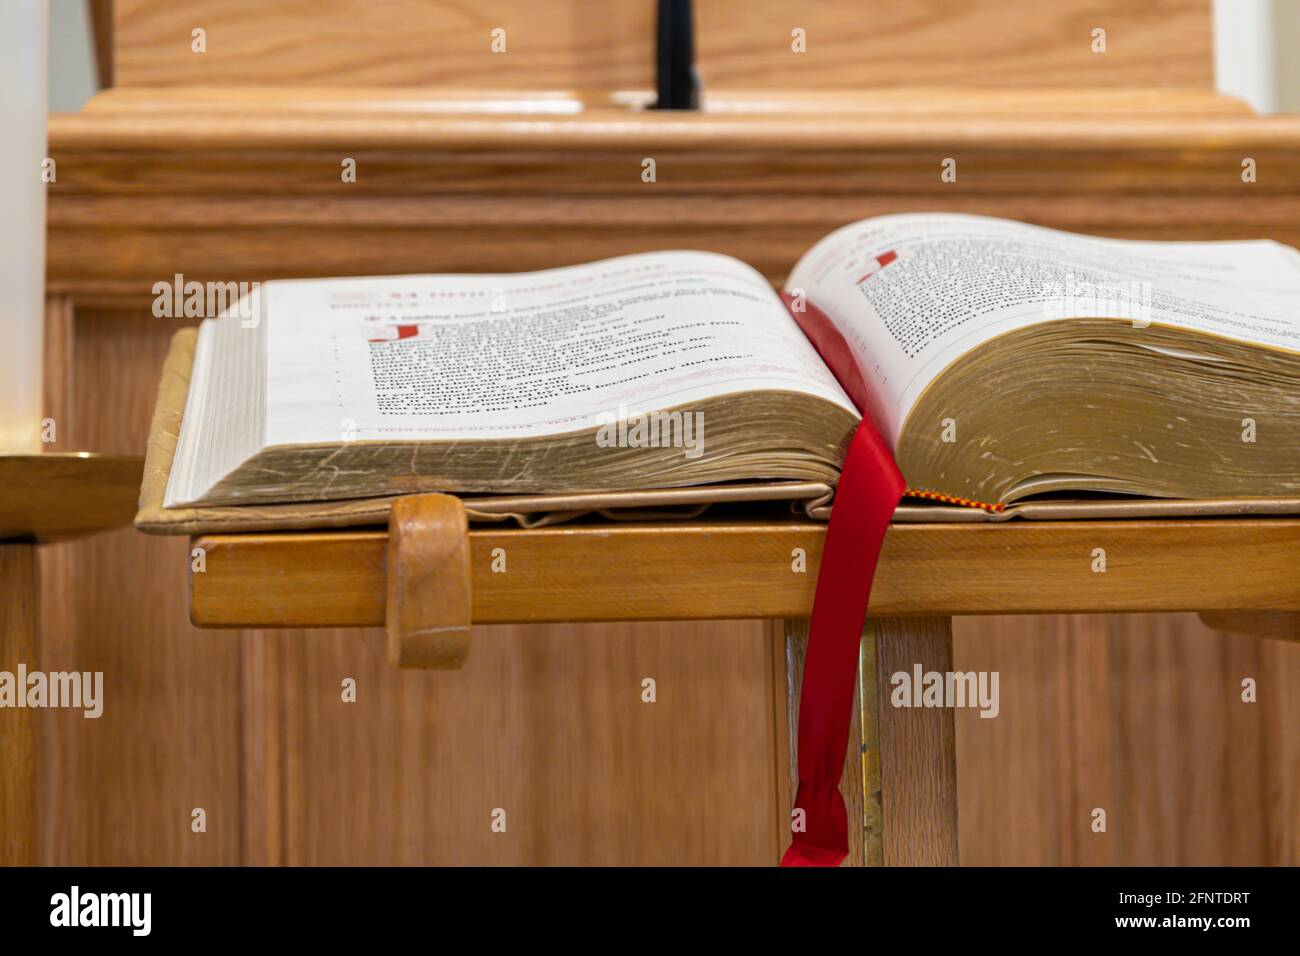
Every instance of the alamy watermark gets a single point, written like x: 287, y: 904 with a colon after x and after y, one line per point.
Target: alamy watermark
x: 621, y: 429
x: 133, y: 911
x: 72, y: 690
x: 919, y: 688
x: 179, y: 299
x: 1110, y: 300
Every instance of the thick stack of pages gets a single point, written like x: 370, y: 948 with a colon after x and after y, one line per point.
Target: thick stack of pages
x: 1003, y: 363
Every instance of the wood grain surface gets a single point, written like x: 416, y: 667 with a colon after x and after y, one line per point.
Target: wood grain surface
x: 548, y: 724
x: 900, y: 773
x: 1137, y: 714
x: 65, y: 494
x: 122, y: 789
x: 918, y: 749
x: 598, y: 45
x: 427, y: 606
x: 153, y: 180
x: 19, y: 749
x: 359, y: 102
x: 700, y: 569
x: 245, y: 186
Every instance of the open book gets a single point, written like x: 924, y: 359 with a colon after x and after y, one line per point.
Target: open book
x: 1000, y: 360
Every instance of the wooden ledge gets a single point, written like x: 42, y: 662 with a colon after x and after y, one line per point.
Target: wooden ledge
x: 702, y: 570
x: 946, y: 102
x: 47, y: 497
x: 247, y: 185
x: 794, y: 123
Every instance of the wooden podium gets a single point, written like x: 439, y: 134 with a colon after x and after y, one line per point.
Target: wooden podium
x: 225, y: 166
x: 900, y: 783
x: 442, y: 190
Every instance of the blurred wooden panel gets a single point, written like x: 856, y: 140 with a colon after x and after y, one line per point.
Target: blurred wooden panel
x: 590, y: 44
x: 120, y: 789
x: 60, y: 325
x: 918, y: 785
x: 20, y: 757
x: 253, y: 193
x: 545, y: 723
x: 1140, y: 715
x: 116, y: 254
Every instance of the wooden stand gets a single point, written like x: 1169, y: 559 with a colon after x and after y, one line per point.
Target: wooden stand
x: 463, y: 178
x: 42, y: 498
x: 901, y: 784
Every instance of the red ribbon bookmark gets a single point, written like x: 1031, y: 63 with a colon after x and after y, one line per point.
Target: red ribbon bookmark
x: 869, y: 490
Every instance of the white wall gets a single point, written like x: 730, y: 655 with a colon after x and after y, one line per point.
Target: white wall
x: 1257, y: 52
x: 73, y: 74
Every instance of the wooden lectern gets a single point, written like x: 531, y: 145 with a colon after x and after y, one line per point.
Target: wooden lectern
x: 901, y: 784
x: 225, y: 166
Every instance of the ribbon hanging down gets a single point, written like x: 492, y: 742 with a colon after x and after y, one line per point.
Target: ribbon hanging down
x: 869, y: 489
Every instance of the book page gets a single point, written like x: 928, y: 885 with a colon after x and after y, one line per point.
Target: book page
x: 911, y: 293
x: 451, y: 357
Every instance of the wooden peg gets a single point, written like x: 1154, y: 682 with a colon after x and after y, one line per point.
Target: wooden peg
x: 1277, y: 625
x: 428, y: 614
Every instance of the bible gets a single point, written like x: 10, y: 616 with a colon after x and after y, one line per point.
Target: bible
x: 1001, y: 361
